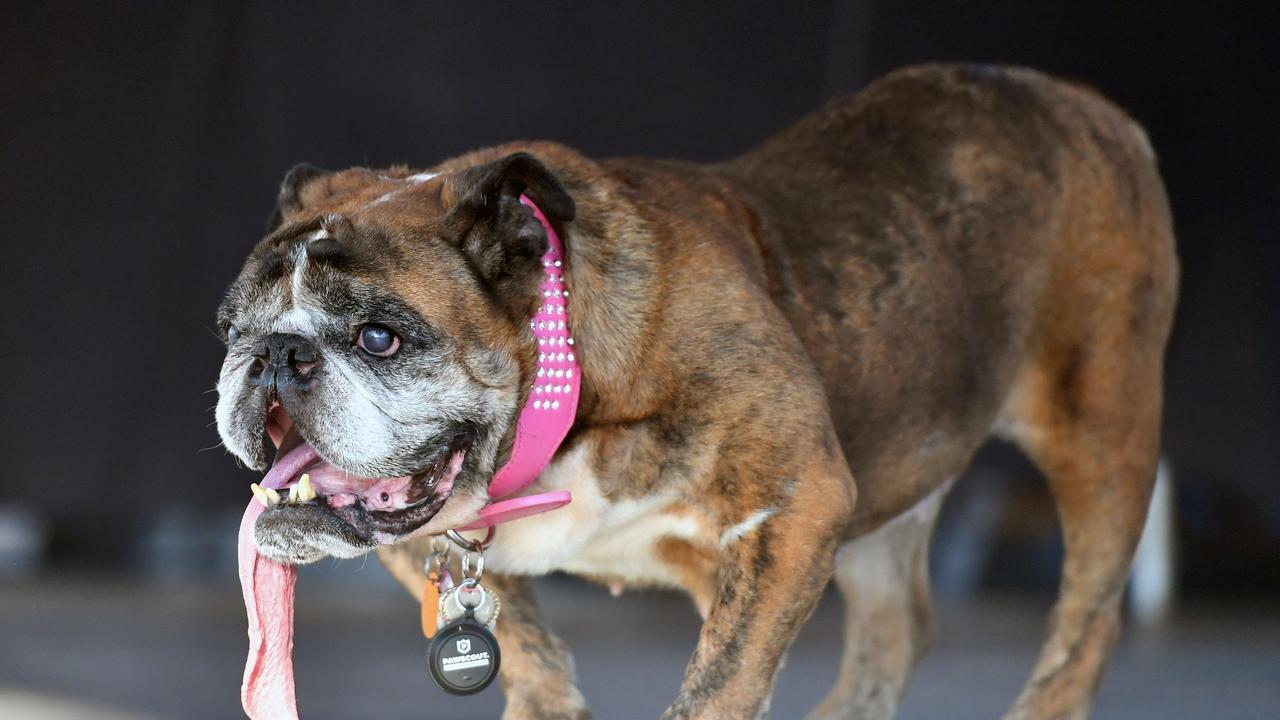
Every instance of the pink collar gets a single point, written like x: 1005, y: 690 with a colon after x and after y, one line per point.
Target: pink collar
x: 549, y: 411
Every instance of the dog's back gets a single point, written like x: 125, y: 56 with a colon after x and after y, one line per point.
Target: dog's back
x: 931, y: 234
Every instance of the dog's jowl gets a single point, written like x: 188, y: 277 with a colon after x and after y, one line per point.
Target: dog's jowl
x: 782, y: 361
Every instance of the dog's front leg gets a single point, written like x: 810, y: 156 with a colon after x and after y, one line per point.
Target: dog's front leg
x: 774, y: 563
x: 537, y: 671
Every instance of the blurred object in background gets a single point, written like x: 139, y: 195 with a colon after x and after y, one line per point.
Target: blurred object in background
x: 997, y: 529
x: 183, y: 544
x: 1153, y: 583
x: 24, y: 535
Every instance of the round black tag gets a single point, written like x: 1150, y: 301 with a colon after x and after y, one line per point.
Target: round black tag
x: 463, y: 657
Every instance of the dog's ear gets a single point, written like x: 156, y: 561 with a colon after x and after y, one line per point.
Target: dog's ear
x: 502, y: 237
x: 289, y: 199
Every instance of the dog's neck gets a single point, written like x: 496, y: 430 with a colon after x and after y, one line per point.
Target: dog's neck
x: 552, y: 402
x: 613, y: 302
x: 616, y: 311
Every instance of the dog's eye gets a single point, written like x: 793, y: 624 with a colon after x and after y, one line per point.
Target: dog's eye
x: 233, y: 333
x: 378, y: 340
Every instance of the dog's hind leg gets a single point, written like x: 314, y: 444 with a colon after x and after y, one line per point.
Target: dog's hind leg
x: 1088, y: 414
x: 883, y: 577
x: 537, y: 673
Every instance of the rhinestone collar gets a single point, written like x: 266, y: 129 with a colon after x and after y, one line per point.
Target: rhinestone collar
x: 552, y: 404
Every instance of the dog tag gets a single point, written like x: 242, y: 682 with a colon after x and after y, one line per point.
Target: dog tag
x: 464, y: 656
x: 437, y: 581
x: 482, y: 604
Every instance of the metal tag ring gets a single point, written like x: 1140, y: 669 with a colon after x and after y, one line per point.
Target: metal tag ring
x: 466, y: 565
x: 438, y: 558
x: 474, y: 545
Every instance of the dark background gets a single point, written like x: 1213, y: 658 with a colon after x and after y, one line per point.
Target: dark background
x: 141, y: 145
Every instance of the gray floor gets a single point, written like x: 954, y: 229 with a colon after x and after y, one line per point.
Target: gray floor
x: 173, y: 650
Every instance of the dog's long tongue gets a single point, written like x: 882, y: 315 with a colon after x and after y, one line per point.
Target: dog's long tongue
x: 267, y: 692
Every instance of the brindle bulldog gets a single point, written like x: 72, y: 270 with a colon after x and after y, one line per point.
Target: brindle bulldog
x: 786, y: 358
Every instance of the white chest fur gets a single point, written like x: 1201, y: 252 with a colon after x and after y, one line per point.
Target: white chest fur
x: 593, y: 535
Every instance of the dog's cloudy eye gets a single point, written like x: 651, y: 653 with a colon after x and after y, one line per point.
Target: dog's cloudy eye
x: 233, y: 333
x: 378, y: 340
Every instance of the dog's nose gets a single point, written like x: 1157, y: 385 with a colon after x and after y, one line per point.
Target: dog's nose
x: 283, y: 359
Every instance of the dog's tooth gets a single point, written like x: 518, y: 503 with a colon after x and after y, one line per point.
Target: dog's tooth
x: 260, y: 493
x: 273, y: 496
x: 306, y: 491
x: 293, y: 494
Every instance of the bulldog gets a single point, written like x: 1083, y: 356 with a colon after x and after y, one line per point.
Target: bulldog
x: 785, y: 359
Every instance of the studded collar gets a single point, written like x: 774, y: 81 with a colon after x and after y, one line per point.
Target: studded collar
x: 552, y: 405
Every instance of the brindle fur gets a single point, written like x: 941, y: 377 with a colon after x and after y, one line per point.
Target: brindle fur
x: 826, y: 329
